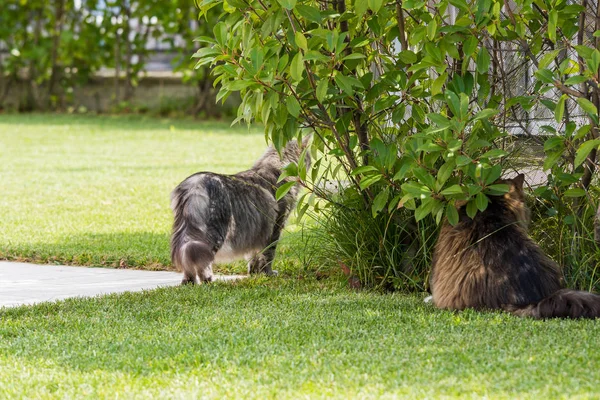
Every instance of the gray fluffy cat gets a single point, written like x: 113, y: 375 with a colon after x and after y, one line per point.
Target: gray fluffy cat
x: 221, y: 218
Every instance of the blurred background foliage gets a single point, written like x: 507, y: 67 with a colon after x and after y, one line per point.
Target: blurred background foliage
x: 50, y: 50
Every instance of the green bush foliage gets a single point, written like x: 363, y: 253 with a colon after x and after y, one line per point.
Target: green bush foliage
x: 413, y: 100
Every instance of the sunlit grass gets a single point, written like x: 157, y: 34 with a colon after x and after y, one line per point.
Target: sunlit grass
x: 95, y: 191
x: 287, y: 338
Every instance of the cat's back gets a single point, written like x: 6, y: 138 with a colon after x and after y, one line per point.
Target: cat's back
x: 487, y: 262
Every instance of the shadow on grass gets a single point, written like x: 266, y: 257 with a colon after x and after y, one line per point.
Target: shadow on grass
x: 145, y: 250
x: 142, y: 250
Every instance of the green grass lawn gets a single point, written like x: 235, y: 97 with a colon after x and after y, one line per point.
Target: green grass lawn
x: 286, y: 338
x: 94, y: 190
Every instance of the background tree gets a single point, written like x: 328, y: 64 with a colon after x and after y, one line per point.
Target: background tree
x: 56, y: 47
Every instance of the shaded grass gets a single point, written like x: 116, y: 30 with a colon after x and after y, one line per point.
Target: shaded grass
x: 91, y: 190
x: 284, y: 338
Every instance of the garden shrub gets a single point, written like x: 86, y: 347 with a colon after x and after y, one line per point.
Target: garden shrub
x: 411, y: 102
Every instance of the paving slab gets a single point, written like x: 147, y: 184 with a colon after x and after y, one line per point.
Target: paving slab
x: 22, y: 283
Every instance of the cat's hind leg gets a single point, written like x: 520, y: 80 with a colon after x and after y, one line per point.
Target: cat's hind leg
x: 197, y: 260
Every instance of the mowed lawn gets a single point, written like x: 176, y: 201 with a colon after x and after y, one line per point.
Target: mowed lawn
x: 94, y: 191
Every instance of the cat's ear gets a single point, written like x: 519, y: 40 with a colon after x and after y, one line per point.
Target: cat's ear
x: 518, y: 181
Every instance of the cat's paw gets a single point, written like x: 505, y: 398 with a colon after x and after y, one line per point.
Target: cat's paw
x: 428, y: 299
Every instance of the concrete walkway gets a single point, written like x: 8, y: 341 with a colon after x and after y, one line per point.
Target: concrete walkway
x: 22, y: 283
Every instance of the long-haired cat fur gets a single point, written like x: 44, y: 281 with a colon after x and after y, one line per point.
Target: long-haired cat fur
x: 490, y: 262
x: 221, y: 218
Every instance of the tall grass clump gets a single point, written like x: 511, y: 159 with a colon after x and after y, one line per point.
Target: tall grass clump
x: 388, y: 251
x: 565, y: 230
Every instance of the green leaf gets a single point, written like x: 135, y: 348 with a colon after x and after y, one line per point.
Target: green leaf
x: 494, y: 153
x: 206, y: 52
x: 424, y: 209
x: 256, y: 55
x: 416, y: 190
x: 370, y: 180
x: 452, y: 191
x: 584, y: 150
x: 405, y: 165
x: 287, y: 4
x: 481, y: 201
x: 471, y: 209
x: 575, y: 80
x: 360, y: 7
x: 220, y: 31
x: 473, y: 189
x: 464, y: 106
x: 547, y: 58
x: 394, y: 203
x: 379, y: 202
x: 575, y: 192
x: 297, y: 67
x: 485, y: 114
x: 453, y: 102
x: 283, y: 190
x: 498, y: 189
x: 551, y: 159
x: 322, y: 87
x: 301, y: 41
x: 363, y: 169
x: 238, y: 85
x: 552, y: 21
x: 313, y: 55
x: 424, y: 177
x: 375, y: 5
x: 345, y: 83
x: 289, y: 170
x: 451, y: 214
x: 293, y: 106
x: 463, y: 160
x: 310, y: 13
x: 283, y: 62
x: 587, y: 106
x: 594, y: 61
x: 445, y: 172
x: 460, y: 4
x: 439, y: 120
x: 582, y: 132
x: 483, y: 61
x: 553, y: 142
x: 493, y: 174
x: 559, y: 111
x: 236, y: 4
x: 438, y: 84
x: 584, y: 51
x: 353, y: 56
x: 407, y: 57
x: 431, y: 29
x: 544, y: 75
x: 470, y: 45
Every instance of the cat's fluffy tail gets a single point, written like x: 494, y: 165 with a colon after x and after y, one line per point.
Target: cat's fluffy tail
x: 565, y: 303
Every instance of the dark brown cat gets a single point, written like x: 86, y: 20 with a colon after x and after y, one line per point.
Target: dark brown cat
x: 490, y: 262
